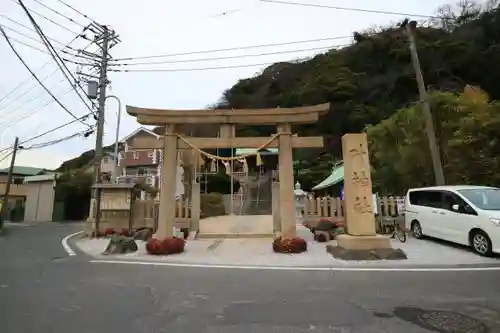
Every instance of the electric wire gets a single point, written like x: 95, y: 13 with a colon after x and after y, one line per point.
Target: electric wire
x: 30, y: 29
x: 35, y: 76
x: 199, y: 69
x: 27, y: 91
x: 28, y: 114
x: 58, y: 60
x: 79, y: 63
x: 30, y: 77
x: 56, y: 141
x: 351, y: 9
x: 80, y: 119
x: 46, y: 18
x: 77, y: 11
x: 26, y: 44
x: 232, y: 57
x: 44, y: 51
x: 6, y: 156
x: 233, y: 48
x: 21, y: 33
x: 58, y: 13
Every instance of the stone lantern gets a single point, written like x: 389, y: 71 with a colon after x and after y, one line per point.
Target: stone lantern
x: 300, y: 201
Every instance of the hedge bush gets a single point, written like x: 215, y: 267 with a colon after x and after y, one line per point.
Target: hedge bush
x: 292, y: 245
x: 211, y: 204
x: 166, y: 246
x: 220, y: 183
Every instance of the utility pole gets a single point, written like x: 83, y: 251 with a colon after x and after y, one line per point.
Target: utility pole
x: 9, y: 181
x: 103, y: 41
x: 424, y: 99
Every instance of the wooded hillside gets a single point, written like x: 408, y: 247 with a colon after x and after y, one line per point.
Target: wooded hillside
x: 373, y: 80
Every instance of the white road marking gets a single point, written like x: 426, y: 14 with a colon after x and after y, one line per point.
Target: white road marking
x: 288, y: 268
x: 65, y: 245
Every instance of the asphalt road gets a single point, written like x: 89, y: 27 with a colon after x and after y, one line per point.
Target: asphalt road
x: 44, y: 290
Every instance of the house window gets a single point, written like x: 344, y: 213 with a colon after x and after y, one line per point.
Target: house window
x: 141, y: 172
x: 135, y: 155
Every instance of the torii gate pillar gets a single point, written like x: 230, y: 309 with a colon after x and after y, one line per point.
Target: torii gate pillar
x: 166, y: 214
x: 287, y: 198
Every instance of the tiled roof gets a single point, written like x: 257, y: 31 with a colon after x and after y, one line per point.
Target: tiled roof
x: 335, y: 177
x: 24, y: 171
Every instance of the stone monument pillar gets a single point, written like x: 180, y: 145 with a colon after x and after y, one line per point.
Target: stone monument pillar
x: 358, y: 206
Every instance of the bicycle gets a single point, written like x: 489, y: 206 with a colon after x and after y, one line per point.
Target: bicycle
x: 396, y: 231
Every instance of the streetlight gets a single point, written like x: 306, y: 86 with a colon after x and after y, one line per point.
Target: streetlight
x: 92, y: 92
x: 115, y: 173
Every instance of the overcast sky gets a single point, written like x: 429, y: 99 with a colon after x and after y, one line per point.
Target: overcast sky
x: 156, y: 27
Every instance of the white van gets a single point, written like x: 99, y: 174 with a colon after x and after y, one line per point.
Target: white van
x: 468, y: 215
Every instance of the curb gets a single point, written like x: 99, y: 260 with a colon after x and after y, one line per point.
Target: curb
x: 65, y: 245
x: 351, y: 268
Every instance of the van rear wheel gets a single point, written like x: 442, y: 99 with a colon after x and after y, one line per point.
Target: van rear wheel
x: 416, y: 230
x: 481, y: 243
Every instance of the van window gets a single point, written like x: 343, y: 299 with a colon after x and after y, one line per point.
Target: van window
x: 450, y: 199
x: 426, y: 198
x: 483, y: 198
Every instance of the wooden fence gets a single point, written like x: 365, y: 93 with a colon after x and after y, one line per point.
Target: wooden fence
x: 386, y: 210
x: 144, y: 213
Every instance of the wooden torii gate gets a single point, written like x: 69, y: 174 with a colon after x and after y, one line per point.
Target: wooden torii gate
x: 283, y: 140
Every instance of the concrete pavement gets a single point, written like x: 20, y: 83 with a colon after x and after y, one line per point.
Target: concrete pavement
x: 42, y: 289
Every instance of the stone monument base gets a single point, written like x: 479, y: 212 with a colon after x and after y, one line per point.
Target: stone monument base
x: 376, y: 247
x: 350, y: 242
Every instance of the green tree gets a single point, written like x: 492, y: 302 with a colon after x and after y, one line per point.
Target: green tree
x: 465, y: 129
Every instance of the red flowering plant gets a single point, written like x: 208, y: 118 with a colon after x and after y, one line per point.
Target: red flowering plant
x: 166, y: 246
x: 125, y: 232
x: 289, y: 245
x: 109, y: 232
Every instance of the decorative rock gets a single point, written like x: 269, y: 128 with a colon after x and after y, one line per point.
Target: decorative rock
x: 326, y: 230
x: 143, y: 234
x: 372, y: 254
x: 121, y: 245
x: 323, y: 236
x: 325, y: 225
